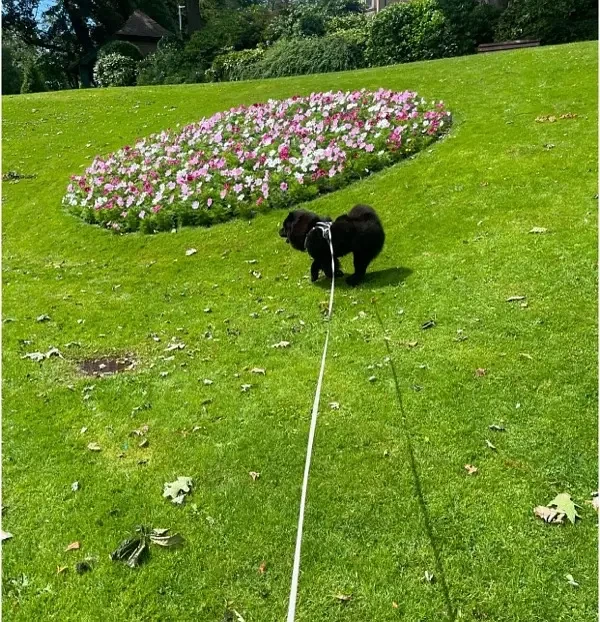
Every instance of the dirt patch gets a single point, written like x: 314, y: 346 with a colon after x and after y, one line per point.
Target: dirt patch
x: 106, y: 366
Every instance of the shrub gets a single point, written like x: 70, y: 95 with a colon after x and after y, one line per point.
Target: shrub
x: 115, y: 70
x: 232, y: 65
x: 551, y: 21
x: 12, y: 76
x: 293, y: 57
x: 409, y: 31
x: 249, y: 159
x: 468, y: 23
x: 168, y: 65
x: 33, y: 81
x: 124, y: 48
x: 350, y: 21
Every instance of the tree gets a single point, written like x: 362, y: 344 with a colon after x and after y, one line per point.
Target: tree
x: 75, y: 29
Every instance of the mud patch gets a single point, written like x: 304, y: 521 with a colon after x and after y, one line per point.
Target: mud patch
x: 106, y: 366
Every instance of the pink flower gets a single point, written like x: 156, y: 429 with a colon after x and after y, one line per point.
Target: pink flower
x: 209, y: 201
x: 283, y: 186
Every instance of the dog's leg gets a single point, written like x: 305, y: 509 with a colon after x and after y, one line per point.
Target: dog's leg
x: 314, y: 270
x: 361, y: 264
x: 338, y: 270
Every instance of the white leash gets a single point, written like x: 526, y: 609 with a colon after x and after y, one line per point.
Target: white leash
x: 326, y: 228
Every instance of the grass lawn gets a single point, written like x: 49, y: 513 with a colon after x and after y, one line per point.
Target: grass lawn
x: 457, y: 219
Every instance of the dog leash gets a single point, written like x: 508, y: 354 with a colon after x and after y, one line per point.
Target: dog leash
x: 326, y: 228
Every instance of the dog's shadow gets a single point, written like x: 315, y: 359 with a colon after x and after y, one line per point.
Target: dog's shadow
x: 379, y: 278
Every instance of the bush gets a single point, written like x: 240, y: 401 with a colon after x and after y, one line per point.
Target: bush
x: 33, y: 82
x: 407, y: 32
x: 168, y: 65
x: 294, y: 57
x: 350, y: 21
x: 12, y: 76
x: 232, y: 66
x: 551, y: 21
x: 468, y: 23
x: 124, y: 48
x: 115, y: 70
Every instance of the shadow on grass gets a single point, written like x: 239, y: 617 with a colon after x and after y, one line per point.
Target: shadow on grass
x: 379, y: 278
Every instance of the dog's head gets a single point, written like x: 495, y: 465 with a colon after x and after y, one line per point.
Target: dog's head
x: 296, y: 227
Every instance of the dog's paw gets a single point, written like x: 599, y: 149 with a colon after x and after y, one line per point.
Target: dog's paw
x: 353, y: 280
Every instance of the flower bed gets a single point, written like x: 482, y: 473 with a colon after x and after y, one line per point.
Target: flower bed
x: 254, y: 158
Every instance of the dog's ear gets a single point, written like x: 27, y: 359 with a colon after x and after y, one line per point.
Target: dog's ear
x: 302, y: 223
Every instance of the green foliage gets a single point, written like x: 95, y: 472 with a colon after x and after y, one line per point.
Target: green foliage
x: 33, y: 81
x: 12, y: 76
x: 292, y: 57
x: 551, y: 21
x: 468, y: 23
x: 349, y: 21
x: 409, y: 31
x: 307, y: 18
x: 226, y: 30
x: 232, y: 65
x: 168, y: 65
x: 124, y: 48
x: 115, y: 70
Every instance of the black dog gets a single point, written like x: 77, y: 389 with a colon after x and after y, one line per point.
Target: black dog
x: 359, y: 232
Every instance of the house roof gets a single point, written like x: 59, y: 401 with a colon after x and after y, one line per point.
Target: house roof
x: 140, y: 25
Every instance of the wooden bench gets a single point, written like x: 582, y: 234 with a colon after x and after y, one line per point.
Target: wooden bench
x: 507, y: 45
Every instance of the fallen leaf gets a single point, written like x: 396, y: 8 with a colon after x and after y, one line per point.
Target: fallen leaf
x: 428, y: 324
x: 334, y: 405
x: 255, y: 274
x: 74, y: 546
x: 208, y: 382
x: 281, y: 344
x: 549, y: 515
x: 42, y: 318
x: 175, y: 346
x: 515, y: 298
x: 254, y: 475
x: 246, y: 388
x: 471, y: 470
x: 190, y: 251
x: 394, y: 604
x: 94, y: 447
x: 497, y: 428
x: 83, y: 567
x: 538, y: 230
x: 144, y: 443
x: 131, y: 551
x: 61, y: 569
x: 5, y: 535
x: 262, y: 568
x: 480, y: 372
x: 177, y: 490
x: 258, y: 370
x: 429, y: 577
x: 492, y: 447
x: 35, y: 356
x: 343, y: 598
x: 563, y: 503
x: 571, y: 580
x: 75, y: 486
x: 569, y: 115
x: 162, y: 538
x: 596, y: 503
x: 372, y: 378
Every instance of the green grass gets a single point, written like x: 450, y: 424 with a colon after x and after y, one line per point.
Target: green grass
x: 457, y: 219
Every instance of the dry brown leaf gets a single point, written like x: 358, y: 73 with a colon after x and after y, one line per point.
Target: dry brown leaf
x: 395, y: 604
x: 74, y: 546
x: 343, y: 598
x: 549, y: 515
x: 94, y: 447
x: 480, y: 372
x: 471, y: 470
x: 262, y: 568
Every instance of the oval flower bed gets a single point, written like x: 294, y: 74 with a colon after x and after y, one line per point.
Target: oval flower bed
x: 254, y: 158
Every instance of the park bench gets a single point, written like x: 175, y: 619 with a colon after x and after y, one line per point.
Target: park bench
x: 507, y: 45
